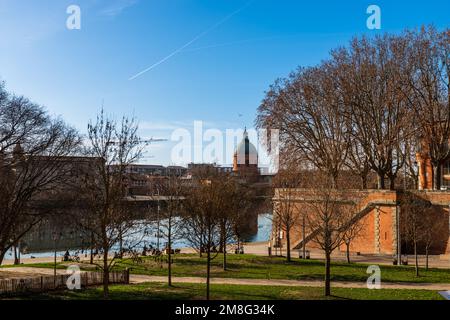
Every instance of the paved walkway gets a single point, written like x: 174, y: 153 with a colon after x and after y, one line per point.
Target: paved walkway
x: 21, y: 272
x: 290, y: 283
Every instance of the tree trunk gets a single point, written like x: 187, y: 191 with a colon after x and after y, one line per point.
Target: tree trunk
x: 381, y: 183
x: 327, y: 273
x: 436, y: 176
x: 16, y: 258
x: 364, y: 181
x: 288, y: 245
x: 391, y: 183
x: 169, y: 266
x: 105, y: 273
x: 347, y: 244
x: 416, y: 258
x: 120, y: 245
x: 208, y: 270
x: 224, y: 255
x: 426, y: 258
x: 2, y: 256
x: 91, y: 261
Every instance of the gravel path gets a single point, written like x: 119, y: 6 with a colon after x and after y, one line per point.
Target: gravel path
x: 291, y: 283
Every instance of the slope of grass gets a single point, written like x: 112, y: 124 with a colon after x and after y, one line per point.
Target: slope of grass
x: 261, y: 267
x: 159, y: 291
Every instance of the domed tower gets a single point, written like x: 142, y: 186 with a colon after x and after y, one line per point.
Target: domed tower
x: 245, y: 160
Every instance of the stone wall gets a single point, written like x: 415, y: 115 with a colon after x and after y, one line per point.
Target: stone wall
x: 378, y: 217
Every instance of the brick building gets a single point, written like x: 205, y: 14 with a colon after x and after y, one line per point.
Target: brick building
x: 380, y: 213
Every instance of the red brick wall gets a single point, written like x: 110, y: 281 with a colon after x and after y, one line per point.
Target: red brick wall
x: 379, y: 227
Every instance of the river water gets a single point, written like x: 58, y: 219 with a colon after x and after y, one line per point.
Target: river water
x: 262, y: 235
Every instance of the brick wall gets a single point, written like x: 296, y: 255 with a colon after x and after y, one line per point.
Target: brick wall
x: 379, y: 229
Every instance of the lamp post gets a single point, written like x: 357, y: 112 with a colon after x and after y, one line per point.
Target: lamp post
x: 303, y: 235
x: 399, y: 241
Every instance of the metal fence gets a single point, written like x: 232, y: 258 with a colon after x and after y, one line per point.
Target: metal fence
x: 11, y: 287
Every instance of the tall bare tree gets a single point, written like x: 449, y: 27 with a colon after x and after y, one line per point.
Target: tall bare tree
x: 412, y: 222
x: 203, y: 208
x: 33, y: 151
x: 428, y: 97
x: 329, y: 215
x: 286, y: 213
x: 353, y: 230
x: 432, y: 227
x: 376, y: 111
x: 115, y: 146
x: 309, y: 114
x: 172, y: 190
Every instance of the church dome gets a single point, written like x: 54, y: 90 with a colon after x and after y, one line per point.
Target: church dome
x: 246, y: 153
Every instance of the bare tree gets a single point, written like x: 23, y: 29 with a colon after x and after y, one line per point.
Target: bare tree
x: 414, y: 209
x: 115, y: 146
x: 34, y: 150
x: 411, y: 172
x: 376, y: 111
x: 328, y: 219
x: 354, y: 229
x: 286, y: 213
x: 172, y: 190
x: 432, y: 227
x: 428, y: 96
x: 309, y: 114
x: 358, y: 162
x: 203, y: 206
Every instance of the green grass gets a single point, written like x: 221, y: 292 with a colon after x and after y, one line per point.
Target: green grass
x: 260, y: 267
x: 159, y: 291
x: 49, y: 265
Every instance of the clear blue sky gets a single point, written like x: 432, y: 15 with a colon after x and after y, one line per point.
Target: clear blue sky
x: 222, y: 74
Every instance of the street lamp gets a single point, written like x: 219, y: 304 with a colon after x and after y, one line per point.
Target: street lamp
x: 399, y: 240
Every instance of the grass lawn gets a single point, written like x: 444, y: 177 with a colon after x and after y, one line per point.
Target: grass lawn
x: 260, y: 267
x: 159, y: 291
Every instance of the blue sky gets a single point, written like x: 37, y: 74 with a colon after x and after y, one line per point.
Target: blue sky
x: 219, y: 78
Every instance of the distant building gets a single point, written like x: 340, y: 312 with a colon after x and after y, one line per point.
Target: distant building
x: 245, y: 164
x: 157, y: 170
x: 245, y: 159
x: 142, y: 178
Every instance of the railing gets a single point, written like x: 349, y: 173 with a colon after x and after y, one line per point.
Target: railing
x: 11, y: 287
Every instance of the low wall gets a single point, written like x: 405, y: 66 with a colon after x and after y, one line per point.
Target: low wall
x: 13, y: 287
x: 379, y: 221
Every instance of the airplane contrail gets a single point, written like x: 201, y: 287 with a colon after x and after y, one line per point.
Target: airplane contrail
x: 231, y: 43
x: 191, y: 41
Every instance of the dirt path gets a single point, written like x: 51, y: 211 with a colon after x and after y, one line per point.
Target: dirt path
x: 291, y: 283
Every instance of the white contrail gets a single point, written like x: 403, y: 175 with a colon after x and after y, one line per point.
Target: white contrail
x: 191, y: 41
x: 232, y: 43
